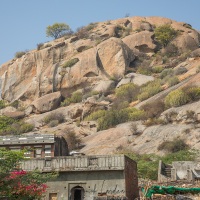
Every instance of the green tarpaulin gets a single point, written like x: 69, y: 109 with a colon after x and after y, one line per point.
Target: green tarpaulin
x: 169, y: 190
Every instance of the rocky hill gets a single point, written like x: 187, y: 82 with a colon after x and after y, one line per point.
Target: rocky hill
x: 131, y: 83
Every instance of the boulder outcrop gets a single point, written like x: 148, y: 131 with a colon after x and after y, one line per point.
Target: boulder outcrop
x: 47, y: 103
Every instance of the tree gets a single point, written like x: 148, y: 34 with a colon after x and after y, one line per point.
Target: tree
x: 16, y: 184
x: 165, y: 34
x: 57, y: 30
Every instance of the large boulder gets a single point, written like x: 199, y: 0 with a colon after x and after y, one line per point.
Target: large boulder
x: 113, y: 57
x: 104, y: 86
x: 186, y: 43
x: 7, y: 109
x: 47, y: 102
x: 143, y: 41
x: 15, y: 115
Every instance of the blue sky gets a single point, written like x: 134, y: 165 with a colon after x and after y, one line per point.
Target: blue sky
x: 23, y: 22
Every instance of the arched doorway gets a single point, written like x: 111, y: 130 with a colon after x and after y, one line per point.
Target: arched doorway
x: 77, y: 193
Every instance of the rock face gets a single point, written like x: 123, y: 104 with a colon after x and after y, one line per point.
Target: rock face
x: 108, y: 55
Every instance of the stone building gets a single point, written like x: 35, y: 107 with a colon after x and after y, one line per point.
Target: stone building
x: 88, y: 177
x: 188, y: 171
x: 36, y: 145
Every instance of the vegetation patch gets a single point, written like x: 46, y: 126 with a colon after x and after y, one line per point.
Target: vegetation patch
x: 173, y: 146
x: 149, y: 90
x: 19, y: 54
x: 148, y: 163
x: 75, y: 98
x: 165, y: 34
x: 70, y: 63
x: 59, y: 117
x: 176, y: 98
x: 127, y: 92
x: 111, y: 118
x: 12, y: 126
x: 2, y: 104
x: 172, y: 81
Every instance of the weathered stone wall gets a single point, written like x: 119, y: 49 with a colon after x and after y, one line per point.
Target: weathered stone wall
x: 93, y: 182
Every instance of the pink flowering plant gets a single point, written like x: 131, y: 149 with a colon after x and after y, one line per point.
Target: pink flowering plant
x: 16, y: 184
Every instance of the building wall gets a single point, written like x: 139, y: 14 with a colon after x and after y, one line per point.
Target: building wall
x: 93, y: 183
x: 131, y: 179
x: 99, y: 176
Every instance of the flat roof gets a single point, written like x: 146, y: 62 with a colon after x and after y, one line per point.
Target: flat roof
x: 26, y: 139
x: 76, y: 163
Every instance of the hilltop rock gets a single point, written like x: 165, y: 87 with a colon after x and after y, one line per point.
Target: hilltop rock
x: 143, y: 41
x: 106, y: 55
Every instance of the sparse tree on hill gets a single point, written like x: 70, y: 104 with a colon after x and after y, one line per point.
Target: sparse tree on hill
x: 57, y: 30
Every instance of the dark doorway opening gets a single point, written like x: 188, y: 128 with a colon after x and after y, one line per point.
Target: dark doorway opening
x: 77, y: 193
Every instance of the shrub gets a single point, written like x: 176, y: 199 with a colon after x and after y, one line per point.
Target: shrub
x: 26, y: 127
x: 166, y: 72
x: 119, y: 104
x: 15, y: 104
x: 173, y: 146
x: 165, y: 34
x: 75, y: 98
x: 119, y: 31
x: 153, y: 109
x: 15, y: 127
x: 19, y: 54
x: 127, y: 92
x: 180, y: 70
x: 170, y: 116
x: 90, y: 26
x: 192, y: 92
x: 96, y: 115
x: 176, y: 98
x: 82, y: 32
x: 190, y: 114
x: 134, y: 128
x: 54, y: 116
x: 134, y: 114
x: 171, y: 50
x: 110, y: 118
x: 53, y: 123
x: 153, y: 121
x: 157, y: 69
x: 5, y: 122
x: 144, y: 68
x: 2, y: 104
x: 149, y: 90
x: 147, y: 164
x: 70, y: 63
x: 172, y: 81
x: 40, y: 46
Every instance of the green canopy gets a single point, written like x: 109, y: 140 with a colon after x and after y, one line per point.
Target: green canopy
x: 169, y: 190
